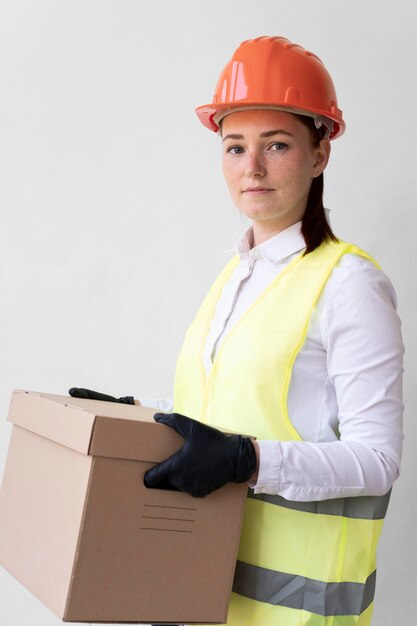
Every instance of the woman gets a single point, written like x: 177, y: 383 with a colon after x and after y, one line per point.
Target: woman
x: 298, y: 343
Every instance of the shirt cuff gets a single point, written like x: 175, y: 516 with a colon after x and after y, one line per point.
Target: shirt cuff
x: 166, y: 405
x: 269, y: 467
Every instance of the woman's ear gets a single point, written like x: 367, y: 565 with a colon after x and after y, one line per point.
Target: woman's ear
x: 322, y: 157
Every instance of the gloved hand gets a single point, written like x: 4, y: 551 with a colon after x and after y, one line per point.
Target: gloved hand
x: 207, y: 460
x: 79, y: 392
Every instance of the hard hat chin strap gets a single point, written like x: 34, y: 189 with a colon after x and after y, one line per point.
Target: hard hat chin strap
x: 320, y: 121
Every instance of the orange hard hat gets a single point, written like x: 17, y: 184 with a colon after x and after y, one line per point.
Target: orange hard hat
x: 273, y: 72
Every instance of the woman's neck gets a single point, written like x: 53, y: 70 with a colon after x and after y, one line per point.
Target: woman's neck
x: 262, y: 231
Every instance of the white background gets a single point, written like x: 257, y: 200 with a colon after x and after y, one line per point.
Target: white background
x: 114, y: 214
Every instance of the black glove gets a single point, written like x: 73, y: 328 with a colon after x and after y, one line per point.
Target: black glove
x: 207, y: 460
x: 79, y: 392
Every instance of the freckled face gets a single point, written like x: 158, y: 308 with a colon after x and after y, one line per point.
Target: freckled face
x: 269, y: 162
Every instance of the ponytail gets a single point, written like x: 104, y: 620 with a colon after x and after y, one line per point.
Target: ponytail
x: 315, y: 228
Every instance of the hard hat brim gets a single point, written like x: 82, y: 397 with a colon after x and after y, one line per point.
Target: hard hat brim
x: 207, y: 113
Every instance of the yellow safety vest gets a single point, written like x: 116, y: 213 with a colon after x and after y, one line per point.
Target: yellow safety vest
x: 299, y: 563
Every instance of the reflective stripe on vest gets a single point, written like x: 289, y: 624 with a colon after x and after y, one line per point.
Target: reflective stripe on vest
x: 321, y: 550
x: 302, y: 593
x: 363, y: 507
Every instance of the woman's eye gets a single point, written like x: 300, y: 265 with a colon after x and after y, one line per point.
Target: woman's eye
x: 235, y: 150
x: 278, y: 145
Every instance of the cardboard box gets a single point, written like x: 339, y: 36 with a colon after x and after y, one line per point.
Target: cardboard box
x: 80, y: 530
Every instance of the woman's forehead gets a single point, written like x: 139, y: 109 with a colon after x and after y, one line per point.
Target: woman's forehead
x: 259, y: 120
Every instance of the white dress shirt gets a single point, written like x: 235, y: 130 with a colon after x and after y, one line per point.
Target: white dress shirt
x: 345, y: 395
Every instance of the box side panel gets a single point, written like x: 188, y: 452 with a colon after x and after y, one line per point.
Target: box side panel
x: 41, y: 506
x: 149, y: 555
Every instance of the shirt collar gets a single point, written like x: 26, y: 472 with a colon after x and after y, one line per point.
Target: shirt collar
x: 272, y: 250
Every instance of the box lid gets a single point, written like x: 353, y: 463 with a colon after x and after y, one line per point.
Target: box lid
x: 94, y: 427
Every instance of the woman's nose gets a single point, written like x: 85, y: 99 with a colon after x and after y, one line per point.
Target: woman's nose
x: 254, y: 165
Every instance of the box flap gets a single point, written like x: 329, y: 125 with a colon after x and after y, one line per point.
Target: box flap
x: 132, y: 439
x: 94, y: 427
x: 66, y: 424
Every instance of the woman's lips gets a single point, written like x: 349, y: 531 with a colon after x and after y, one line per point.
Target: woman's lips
x: 257, y: 190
